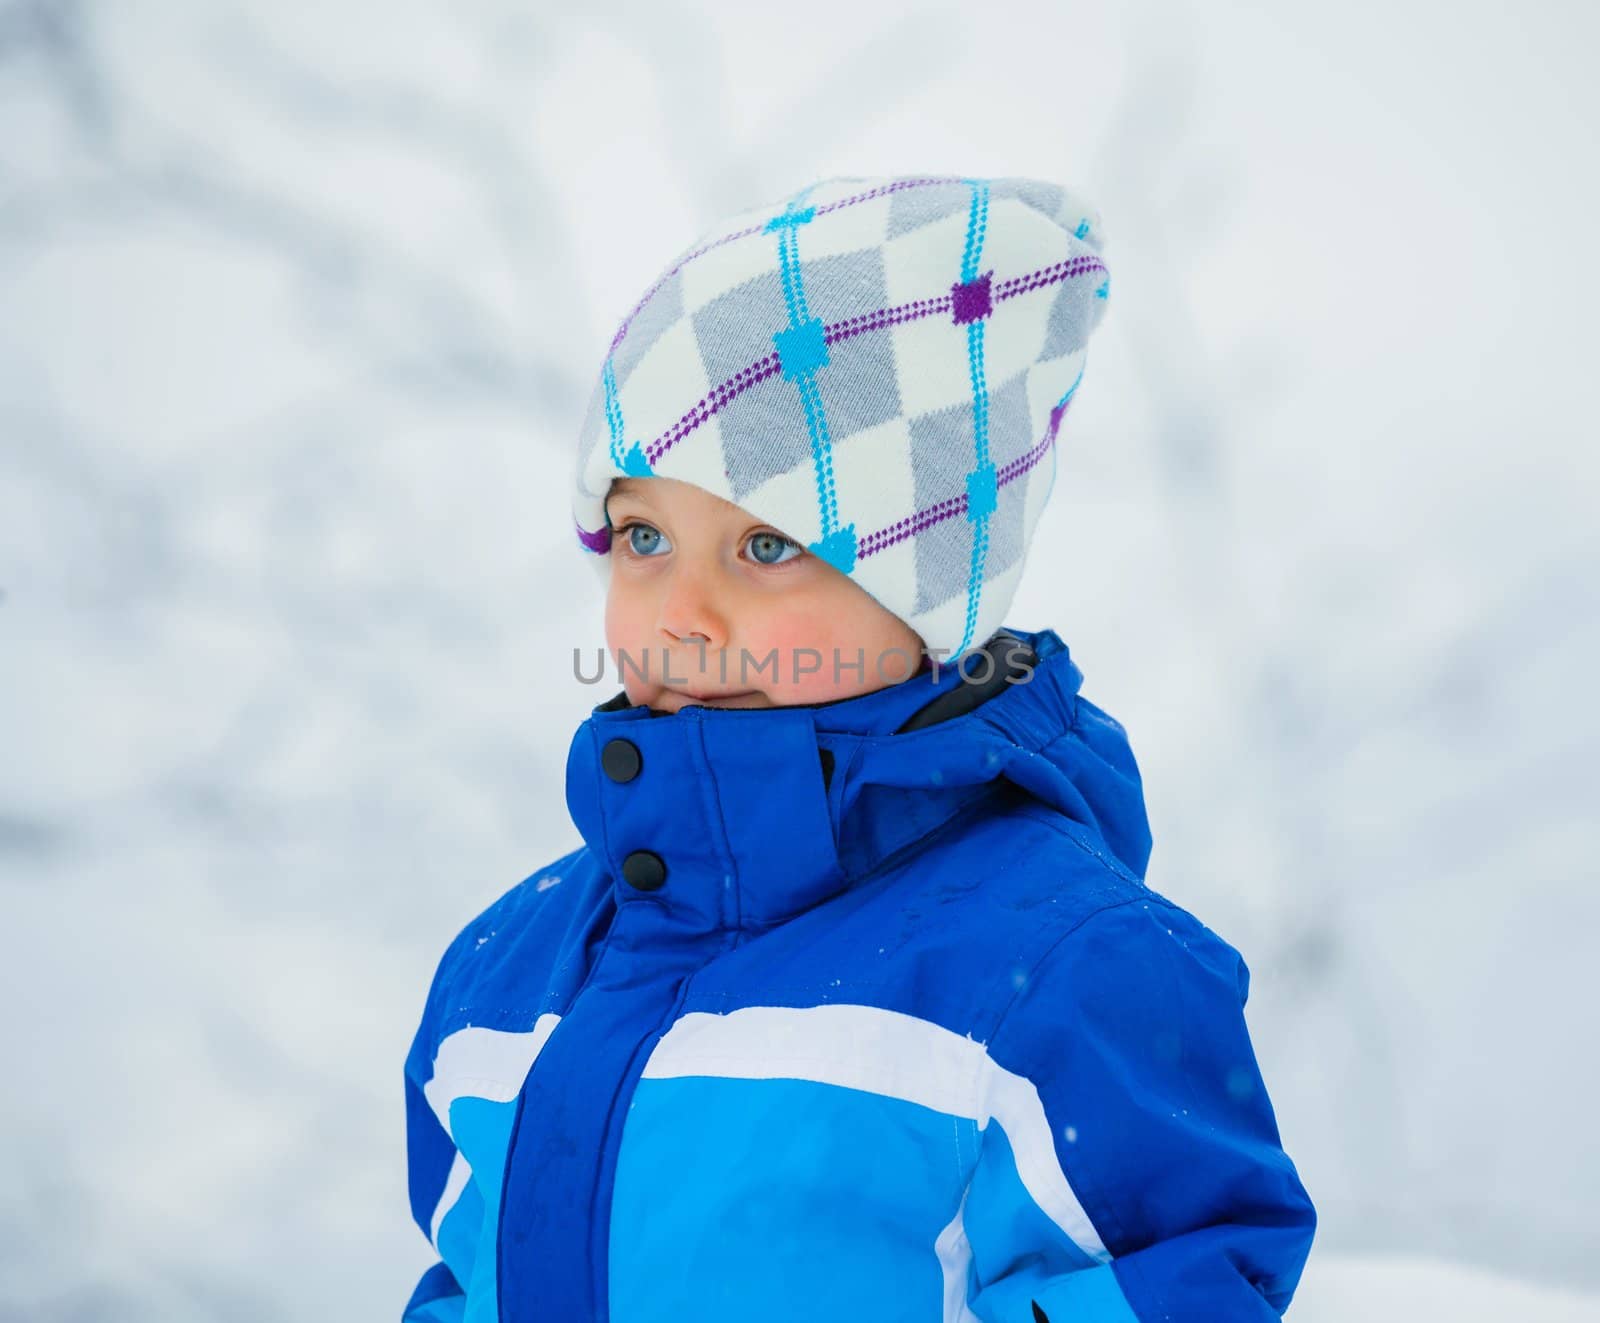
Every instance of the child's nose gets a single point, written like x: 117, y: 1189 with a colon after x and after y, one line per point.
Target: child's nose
x: 691, y: 613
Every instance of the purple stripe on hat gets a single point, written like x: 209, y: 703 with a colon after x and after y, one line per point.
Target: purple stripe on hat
x: 597, y: 542
x: 720, y: 398
x: 887, y: 188
x: 860, y: 324
x: 1050, y: 275
x: 1022, y: 463
x: 901, y: 529
x: 876, y: 321
x: 769, y: 366
x: 757, y: 229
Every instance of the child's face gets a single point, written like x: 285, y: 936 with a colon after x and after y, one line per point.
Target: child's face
x: 688, y: 566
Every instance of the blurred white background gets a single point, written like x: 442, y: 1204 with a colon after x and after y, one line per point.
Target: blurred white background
x: 299, y: 309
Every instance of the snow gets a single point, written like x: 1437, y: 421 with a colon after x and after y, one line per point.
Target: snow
x: 1342, y: 1289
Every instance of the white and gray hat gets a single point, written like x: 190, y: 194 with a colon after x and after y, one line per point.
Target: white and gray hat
x: 876, y: 367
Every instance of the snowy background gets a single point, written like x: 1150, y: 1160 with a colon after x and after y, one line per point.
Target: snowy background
x: 299, y: 308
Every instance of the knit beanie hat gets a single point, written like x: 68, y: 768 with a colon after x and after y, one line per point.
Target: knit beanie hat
x: 875, y: 367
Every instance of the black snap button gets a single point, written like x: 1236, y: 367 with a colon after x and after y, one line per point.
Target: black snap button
x: 643, y: 870
x: 621, y: 760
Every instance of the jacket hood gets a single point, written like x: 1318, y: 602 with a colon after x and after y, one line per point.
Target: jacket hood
x: 741, y: 818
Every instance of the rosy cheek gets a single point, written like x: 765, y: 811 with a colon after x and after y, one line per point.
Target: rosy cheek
x: 809, y: 676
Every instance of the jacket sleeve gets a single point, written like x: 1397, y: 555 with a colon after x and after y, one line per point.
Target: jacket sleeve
x: 431, y: 1165
x: 1131, y: 1170
x: 444, y: 1202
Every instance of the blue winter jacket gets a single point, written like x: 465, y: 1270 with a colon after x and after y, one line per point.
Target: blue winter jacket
x: 826, y: 1021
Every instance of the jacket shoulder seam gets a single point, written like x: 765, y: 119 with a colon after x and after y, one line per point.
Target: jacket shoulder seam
x: 1052, y: 819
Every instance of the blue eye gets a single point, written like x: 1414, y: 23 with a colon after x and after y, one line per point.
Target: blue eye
x: 643, y: 540
x: 768, y: 548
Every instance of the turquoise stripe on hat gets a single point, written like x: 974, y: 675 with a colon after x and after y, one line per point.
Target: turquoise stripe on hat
x: 802, y: 350
x: 982, y: 487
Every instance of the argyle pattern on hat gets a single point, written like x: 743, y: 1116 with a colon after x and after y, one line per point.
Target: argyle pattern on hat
x: 876, y: 367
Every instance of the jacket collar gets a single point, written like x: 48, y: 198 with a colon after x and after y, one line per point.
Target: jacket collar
x: 759, y: 814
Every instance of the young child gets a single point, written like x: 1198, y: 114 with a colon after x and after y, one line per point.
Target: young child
x: 853, y: 1003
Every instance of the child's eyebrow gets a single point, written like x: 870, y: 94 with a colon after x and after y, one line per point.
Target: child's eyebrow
x: 619, y: 492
